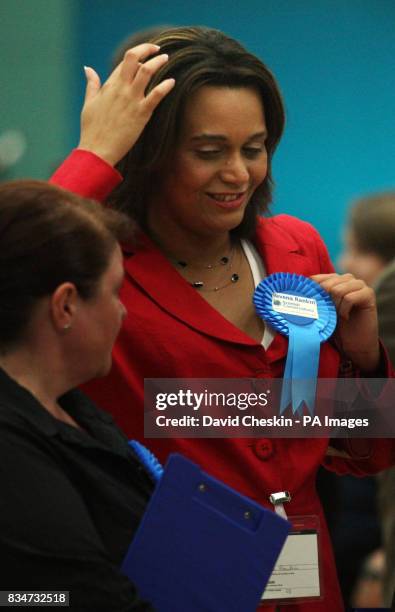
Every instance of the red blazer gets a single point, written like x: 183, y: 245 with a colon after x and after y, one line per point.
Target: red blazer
x: 172, y: 332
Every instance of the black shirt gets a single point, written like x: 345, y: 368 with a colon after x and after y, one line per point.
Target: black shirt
x: 70, y: 501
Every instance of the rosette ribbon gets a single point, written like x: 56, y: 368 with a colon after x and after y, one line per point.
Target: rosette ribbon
x: 299, y: 308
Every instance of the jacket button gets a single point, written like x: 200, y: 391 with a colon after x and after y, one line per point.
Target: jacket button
x: 263, y: 449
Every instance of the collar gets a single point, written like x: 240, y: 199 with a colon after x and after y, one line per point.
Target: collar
x: 278, y: 248
x: 17, y: 403
x: 147, y: 267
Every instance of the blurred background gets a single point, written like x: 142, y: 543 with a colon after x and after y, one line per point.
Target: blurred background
x: 334, y: 60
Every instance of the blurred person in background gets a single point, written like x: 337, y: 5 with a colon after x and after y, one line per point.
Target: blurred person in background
x: 369, y: 253
x: 136, y: 38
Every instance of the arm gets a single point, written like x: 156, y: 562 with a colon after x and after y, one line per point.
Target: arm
x: 358, y: 456
x: 87, y: 175
x: 107, y: 109
x: 47, y: 535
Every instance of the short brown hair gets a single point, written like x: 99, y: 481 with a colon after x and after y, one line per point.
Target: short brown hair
x: 372, y: 221
x: 49, y: 236
x: 197, y: 57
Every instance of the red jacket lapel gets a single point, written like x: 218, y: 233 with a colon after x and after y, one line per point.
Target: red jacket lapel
x: 157, y: 277
x: 278, y: 248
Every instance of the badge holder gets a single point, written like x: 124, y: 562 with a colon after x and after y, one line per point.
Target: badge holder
x: 296, y: 577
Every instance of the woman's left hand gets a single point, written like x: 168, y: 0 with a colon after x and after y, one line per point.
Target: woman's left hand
x: 357, y: 328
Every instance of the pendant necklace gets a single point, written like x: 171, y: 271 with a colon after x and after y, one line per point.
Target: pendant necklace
x: 226, y: 261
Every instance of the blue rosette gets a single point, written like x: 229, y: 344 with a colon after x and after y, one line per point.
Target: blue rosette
x: 299, y: 308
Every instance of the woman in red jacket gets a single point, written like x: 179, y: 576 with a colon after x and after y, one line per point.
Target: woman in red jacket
x: 194, y: 171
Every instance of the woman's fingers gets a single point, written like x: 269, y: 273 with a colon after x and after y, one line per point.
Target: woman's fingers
x: 145, y: 72
x: 347, y: 292
x: 357, y: 329
x: 332, y: 278
x: 158, y: 93
x: 92, y: 83
x: 144, y: 50
x: 362, y: 299
x: 138, y: 75
x: 132, y: 61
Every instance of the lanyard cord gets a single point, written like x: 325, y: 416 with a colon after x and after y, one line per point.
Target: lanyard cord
x: 148, y: 459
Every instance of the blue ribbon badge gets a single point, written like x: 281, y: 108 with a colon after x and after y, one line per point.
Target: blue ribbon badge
x: 299, y: 308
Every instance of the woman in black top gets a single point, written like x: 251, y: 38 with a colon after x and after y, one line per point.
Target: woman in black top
x: 72, y: 491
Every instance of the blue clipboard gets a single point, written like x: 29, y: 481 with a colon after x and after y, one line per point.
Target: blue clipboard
x: 201, y: 546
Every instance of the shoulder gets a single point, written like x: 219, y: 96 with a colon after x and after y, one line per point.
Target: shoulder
x: 284, y: 234
x: 386, y: 282
x: 286, y: 227
x: 80, y: 405
x: 291, y: 233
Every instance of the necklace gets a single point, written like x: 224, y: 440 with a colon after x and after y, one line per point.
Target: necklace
x: 226, y: 261
x: 223, y: 261
x: 201, y: 285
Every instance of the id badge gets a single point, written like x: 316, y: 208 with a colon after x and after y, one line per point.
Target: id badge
x: 296, y: 575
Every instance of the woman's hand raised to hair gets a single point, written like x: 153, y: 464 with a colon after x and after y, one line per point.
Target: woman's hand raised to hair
x: 357, y: 328
x: 115, y: 114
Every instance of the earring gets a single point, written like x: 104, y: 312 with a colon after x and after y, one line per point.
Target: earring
x: 67, y: 326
